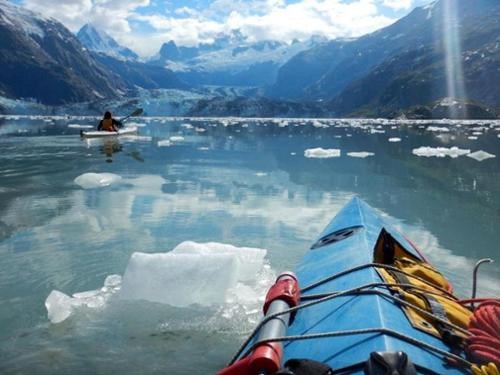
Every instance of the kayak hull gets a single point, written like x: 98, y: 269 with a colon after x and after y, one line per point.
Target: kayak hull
x: 105, y: 134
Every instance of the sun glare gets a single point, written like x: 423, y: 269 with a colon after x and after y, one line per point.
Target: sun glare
x: 453, y: 58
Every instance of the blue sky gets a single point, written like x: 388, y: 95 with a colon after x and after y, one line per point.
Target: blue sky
x: 144, y: 25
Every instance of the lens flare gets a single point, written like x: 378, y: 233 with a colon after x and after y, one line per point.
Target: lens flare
x: 453, y: 59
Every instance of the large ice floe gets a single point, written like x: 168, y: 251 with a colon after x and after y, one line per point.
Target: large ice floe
x: 440, y: 152
x: 96, y: 180
x: 322, y: 153
x: 202, y: 274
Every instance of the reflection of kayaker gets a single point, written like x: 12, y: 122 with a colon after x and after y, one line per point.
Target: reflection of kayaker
x: 108, y: 123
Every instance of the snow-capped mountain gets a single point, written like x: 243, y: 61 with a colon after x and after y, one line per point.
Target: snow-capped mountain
x: 97, y: 40
x: 41, y: 59
x: 231, y: 59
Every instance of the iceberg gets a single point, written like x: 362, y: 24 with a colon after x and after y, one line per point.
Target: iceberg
x: 322, y: 153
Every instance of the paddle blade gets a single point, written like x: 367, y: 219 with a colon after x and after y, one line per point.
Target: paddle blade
x: 137, y: 112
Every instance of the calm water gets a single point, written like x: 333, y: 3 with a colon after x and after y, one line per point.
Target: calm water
x: 240, y: 182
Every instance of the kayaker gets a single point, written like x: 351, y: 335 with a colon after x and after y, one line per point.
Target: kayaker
x: 108, y: 123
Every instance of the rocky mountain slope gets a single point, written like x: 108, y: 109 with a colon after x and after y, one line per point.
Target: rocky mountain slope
x: 42, y: 60
x: 404, y: 64
x: 419, y: 76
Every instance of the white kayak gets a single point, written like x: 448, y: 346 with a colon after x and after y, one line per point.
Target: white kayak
x: 98, y: 134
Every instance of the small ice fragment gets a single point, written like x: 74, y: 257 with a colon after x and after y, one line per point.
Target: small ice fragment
x: 261, y: 174
x: 294, y: 153
x: 203, y: 148
x: 319, y: 124
x: 361, y: 154
x: 438, y: 129
x: 59, y: 306
x: 337, y: 136
x: 440, y: 152
x: 477, y: 133
x: 164, y: 143
x: 395, y: 139
x: 177, y: 138
x: 481, y: 155
x: 322, y: 153
x: 113, y: 281
x: 200, y: 130
x: 375, y: 131
x: 96, y: 180
x: 187, y: 126
x: 473, y: 138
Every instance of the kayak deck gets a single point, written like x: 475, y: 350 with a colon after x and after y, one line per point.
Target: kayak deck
x: 350, y: 307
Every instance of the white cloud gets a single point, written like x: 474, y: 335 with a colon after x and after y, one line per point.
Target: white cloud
x: 398, y: 4
x: 256, y: 19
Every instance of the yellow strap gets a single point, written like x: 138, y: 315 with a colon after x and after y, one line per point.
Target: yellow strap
x: 489, y: 369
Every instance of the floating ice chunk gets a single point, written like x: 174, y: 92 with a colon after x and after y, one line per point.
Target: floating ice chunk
x: 283, y: 123
x: 164, y: 143
x: 187, y: 126
x: 261, y: 174
x: 192, y: 273
x: 176, y: 138
x: 78, y: 126
x: 438, y: 129
x: 375, y: 131
x: 440, y: 152
x: 477, y: 133
x: 322, y: 153
x: 472, y: 137
x: 96, y: 180
x: 203, y: 148
x: 319, y: 124
x: 60, y: 306
x: 361, y: 154
x: 337, y: 136
x: 481, y: 155
x: 395, y: 139
x: 294, y: 153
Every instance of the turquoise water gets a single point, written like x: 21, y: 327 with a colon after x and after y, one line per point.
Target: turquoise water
x: 234, y: 181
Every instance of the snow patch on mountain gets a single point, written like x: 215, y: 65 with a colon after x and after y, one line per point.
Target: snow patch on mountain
x: 97, y: 40
x: 22, y: 19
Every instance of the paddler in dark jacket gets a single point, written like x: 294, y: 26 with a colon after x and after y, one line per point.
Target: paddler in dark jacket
x: 108, y: 123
